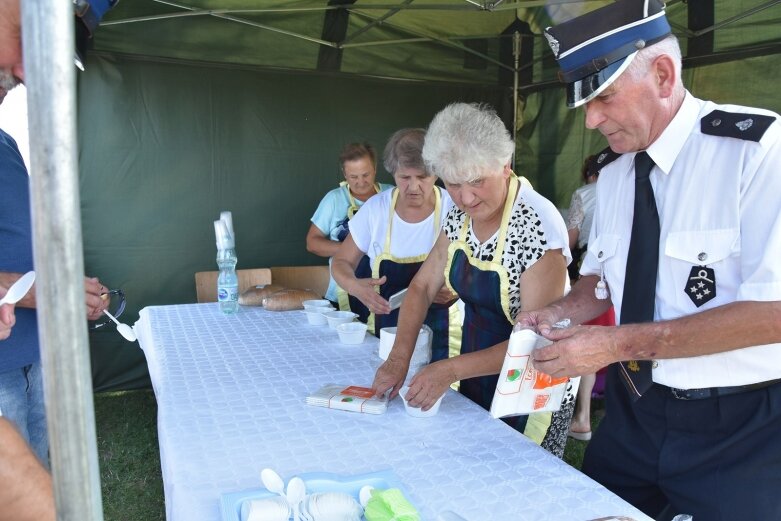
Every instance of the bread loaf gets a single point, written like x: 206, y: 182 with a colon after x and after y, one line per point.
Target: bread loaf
x: 254, y: 296
x: 288, y: 299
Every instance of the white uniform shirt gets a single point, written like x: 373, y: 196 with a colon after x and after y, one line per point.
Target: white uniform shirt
x: 369, y: 227
x: 719, y: 203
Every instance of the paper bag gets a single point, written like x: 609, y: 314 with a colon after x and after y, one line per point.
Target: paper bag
x: 521, y: 388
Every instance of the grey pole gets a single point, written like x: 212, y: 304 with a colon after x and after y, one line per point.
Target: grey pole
x: 516, y: 62
x: 48, y: 43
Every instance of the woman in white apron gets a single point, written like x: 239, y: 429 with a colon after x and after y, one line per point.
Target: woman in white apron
x: 503, y: 248
x: 396, y: 230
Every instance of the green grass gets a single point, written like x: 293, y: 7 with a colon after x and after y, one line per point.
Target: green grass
x: 129, y: 456
x: 130, y: 459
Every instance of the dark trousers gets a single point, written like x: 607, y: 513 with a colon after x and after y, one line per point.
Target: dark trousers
x: 718, y: 459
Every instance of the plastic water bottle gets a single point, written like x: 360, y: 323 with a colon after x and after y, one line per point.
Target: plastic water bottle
x: 227, y: 280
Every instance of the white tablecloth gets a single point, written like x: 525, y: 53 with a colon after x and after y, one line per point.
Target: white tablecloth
x: 231, y: 390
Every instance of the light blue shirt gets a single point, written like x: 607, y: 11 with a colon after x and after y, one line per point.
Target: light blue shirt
x: 331, y: 219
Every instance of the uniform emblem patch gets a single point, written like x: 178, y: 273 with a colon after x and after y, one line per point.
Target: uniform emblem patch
x: 745, y: 124
x: 554, y: 44
x: 701, y: 285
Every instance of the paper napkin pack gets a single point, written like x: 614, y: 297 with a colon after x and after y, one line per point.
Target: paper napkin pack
x: 521, y: 388
x: 348, y: 398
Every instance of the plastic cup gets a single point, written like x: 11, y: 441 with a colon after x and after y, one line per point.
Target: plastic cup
x: 417, y: 412
x: 351, y: 332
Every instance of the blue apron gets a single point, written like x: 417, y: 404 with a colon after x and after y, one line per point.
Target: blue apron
x: 484, y: 286
x: 362, y: 271
x: 399, y: 272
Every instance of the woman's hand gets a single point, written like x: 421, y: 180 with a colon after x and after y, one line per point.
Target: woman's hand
x: 445, y: 296
x: 429, y: 384
x: 390, y: 376
x: 364, y: 290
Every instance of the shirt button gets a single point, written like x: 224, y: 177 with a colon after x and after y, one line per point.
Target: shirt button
x: 599, y: 255
x: 654, y: 364
x: 716, y: 122
x: 702, y: 256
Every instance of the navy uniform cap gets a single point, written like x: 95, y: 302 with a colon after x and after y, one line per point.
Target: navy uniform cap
x: 595, y: 48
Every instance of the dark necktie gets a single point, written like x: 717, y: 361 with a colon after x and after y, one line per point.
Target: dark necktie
x: 641, y: 268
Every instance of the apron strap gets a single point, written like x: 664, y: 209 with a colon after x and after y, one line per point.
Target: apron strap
x: 437, y: 213
x: 512, y: 193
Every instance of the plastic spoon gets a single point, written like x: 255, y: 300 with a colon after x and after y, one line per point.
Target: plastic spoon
x: 296, y: 491
x: 19, y: 289
x: 124, y: 330
x: 273, y: 482
x: 365, y: 494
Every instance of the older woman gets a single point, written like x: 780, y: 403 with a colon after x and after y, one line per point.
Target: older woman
x: 503, y: 249
x: 397, y: 229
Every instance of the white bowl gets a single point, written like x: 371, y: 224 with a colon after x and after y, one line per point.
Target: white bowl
x: 417, y: 412
x: 339, y: 317
x: 316, y: 317
x: 351, y: 332
x: 317, y: 304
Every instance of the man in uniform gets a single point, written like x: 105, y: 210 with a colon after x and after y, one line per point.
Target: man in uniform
x: 685, y: 244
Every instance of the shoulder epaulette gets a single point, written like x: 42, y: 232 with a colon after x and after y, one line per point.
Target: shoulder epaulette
x: 601, y: 160
x: 739, y: 125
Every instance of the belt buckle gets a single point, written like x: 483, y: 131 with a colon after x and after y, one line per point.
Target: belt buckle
x: 680, y: 394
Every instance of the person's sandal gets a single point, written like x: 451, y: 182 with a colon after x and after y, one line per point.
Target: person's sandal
x: 580, y: 436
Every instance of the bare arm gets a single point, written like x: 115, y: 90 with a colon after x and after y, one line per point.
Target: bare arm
x: 420, y: 294
x: 25, y: 487
x: 343, y: 268
x: 584, y: 349
x: 318, y: 243
x: 541, y: 284
x: 573, y: 235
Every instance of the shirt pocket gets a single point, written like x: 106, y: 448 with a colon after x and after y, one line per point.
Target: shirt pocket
x: 702, y: 247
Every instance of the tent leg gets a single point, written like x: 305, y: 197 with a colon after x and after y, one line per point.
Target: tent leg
x: 48, y: 44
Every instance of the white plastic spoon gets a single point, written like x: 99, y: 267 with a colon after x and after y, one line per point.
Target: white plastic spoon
x: 296, y: 491
x: 273, y: 482
x: 124, y: 330
x: 365, y: 494
x: 19, y: 289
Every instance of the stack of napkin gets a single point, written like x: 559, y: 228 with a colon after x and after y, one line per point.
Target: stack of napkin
x: 348, y: 398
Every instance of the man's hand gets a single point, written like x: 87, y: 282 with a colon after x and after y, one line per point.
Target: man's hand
x: 96, y: 297
x: 7, y: 320
x: 577, y: 350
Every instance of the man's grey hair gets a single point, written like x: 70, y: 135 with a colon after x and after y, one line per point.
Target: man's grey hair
x: 404, y: 150
x: 641, y: 64
x: 466, y: 141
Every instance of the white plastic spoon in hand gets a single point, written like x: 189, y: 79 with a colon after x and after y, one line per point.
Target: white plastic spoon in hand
x: 273, y: 482
x: 296, y: 491
x: 124, y: 330
x: 19, y: 289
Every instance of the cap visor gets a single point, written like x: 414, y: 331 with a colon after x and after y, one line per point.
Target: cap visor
x: 582, y: 91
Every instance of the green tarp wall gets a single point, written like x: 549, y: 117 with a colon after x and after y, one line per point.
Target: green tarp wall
x: 167, y: 142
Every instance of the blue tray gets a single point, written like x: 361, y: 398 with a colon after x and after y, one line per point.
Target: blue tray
x: 315, y: 482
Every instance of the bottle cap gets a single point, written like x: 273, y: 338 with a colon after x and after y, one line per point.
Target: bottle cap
x: 227, y: 218
x: 223, y: 238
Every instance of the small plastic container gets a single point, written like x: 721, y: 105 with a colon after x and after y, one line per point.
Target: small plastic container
x: 351, y: 332
x: 417, y: 412
x: 316, y: 317
x: 317, y: 304
x: 339, y: 317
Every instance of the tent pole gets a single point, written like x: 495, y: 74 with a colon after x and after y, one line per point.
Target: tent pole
x: 516, y: 57
x: 48, y: 43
